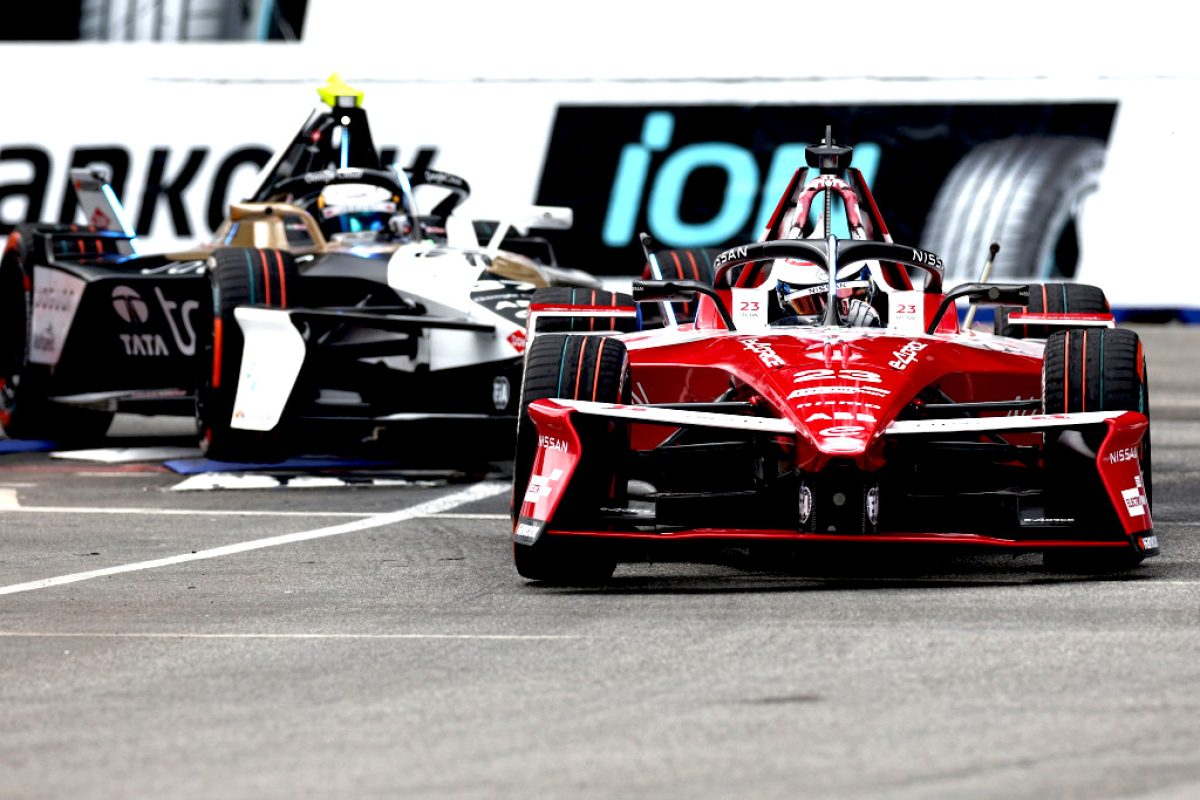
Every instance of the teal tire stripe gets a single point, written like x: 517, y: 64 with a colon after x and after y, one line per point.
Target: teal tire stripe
x: 250, y: 276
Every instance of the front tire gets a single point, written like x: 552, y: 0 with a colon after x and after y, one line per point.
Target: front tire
x: 580, y: 368
x: 238, y: 276
x: 685, y: 264
x: 1097, y: 369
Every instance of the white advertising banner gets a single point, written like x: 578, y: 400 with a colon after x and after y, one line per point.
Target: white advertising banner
x: 185, y: 128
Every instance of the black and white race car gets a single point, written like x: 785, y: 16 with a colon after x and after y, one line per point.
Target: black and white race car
x: 329, y: 310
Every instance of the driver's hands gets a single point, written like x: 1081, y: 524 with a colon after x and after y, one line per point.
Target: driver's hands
x: 861, y: 314
x: 400, y: 226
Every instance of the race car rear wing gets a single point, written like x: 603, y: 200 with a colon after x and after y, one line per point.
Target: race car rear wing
x: 100, y: 205
x: 107, y: 232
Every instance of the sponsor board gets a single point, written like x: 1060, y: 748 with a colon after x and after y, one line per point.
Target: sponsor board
x: 711, y: 175
x: 695, y: 162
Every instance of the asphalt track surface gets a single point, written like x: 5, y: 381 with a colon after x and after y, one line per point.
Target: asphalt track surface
x: 375, y: 641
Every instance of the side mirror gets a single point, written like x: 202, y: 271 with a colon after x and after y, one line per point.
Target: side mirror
x: 680, y: 292
x: 1004, y: 294
x: 1007, y: 294
x: 666, y: 291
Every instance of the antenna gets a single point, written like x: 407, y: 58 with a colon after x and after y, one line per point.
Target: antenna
x: 983, y: 278
x: 830, y: 158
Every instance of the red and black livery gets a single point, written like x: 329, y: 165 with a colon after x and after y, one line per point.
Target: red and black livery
x: 890, y: 423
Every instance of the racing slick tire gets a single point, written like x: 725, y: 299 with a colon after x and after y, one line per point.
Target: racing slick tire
x: 239, y: 276
x: 1051, y: 298
x: 1025, y: 192
x: 1097, y: 369
x: 686, y: 264
x: 581, y: 368
x: 569, y: 296
x: 26, y: 411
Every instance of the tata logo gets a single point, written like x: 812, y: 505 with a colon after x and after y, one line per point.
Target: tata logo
x: 129, y: 305
x: 651, y: 172
x: 132, y: 309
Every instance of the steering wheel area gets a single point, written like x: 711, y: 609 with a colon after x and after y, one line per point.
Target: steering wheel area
x: 307, y: 187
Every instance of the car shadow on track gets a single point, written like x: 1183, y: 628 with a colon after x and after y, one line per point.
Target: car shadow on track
x: 738, y: 573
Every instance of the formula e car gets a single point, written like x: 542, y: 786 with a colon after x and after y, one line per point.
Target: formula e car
x: 330, y: 308
x: 826, y: 393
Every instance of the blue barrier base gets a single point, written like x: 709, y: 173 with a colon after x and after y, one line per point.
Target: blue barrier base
x: 25, y: 446
x: 196, y: 466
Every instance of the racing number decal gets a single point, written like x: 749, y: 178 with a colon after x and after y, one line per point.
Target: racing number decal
x: 749, y: 308
x: 857, y: 376
x: 865, y: 376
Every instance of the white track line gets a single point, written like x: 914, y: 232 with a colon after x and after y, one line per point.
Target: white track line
x: 351, y: 636
x: 452, y: 515
x: 471, y: 494
x: 9, y: 502
x: 182, y: 512
x: 202, y: 512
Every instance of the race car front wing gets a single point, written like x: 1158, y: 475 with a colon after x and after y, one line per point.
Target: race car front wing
x: 561, y: 448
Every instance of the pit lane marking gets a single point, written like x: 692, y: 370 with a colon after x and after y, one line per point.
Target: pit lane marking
x: 479, y: 491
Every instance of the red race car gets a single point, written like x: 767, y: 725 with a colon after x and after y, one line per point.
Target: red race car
x: 826, y: 392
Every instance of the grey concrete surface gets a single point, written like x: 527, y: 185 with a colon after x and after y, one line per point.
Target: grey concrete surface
x: 409, y: 660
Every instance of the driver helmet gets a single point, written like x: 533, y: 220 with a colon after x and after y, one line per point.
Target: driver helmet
x: 803, y: 292
x: 355, y: 209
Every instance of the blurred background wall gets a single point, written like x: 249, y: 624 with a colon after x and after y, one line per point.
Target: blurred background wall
x: 1069, y: 132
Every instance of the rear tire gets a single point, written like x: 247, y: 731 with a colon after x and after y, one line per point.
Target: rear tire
x: 26, y: 411
x: 1051, y: 298
x: 239, y: 276
x: 567, y: 296
x: 1098, y: 369
x: 580, y: 368
x: 690, y: 264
